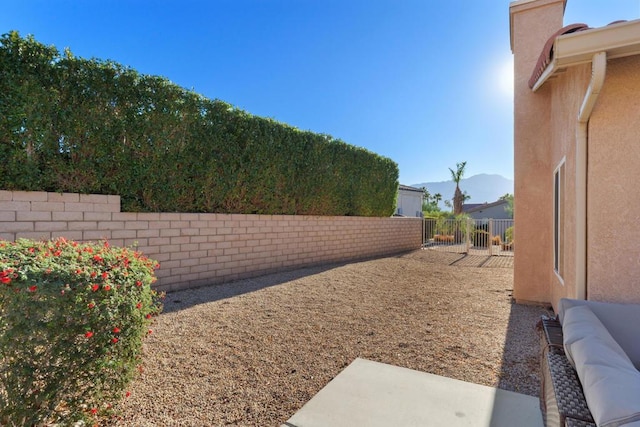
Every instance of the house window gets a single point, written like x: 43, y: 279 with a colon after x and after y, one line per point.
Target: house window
x: 558, y: 219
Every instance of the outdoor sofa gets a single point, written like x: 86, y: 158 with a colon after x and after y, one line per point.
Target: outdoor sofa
x: 590, y: 361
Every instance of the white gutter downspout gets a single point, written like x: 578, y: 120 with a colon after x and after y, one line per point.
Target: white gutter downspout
x: 598, y: 71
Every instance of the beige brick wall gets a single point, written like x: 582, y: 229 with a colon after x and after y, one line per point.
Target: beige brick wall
x: 201, y: 249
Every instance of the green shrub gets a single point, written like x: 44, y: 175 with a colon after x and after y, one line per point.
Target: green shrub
x: 508, y: 235
x: 72, y: 320
x: 89, y: 126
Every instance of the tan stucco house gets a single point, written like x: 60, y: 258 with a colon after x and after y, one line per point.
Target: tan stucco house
x: 576, y: 156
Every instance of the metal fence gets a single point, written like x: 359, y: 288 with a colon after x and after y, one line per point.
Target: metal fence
x: 493, y: 237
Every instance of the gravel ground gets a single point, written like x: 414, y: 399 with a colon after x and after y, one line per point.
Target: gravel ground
x: 253, y: 352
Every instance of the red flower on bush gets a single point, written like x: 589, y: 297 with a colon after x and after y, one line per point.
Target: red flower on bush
x: 127, y: 394
x: 68, y: 271
x: 4, y: 276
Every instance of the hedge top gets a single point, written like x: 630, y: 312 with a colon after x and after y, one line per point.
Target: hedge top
x: 69, y: 124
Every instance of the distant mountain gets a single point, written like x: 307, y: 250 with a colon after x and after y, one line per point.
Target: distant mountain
x: 482, y: 188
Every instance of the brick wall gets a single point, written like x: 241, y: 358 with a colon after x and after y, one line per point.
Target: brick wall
x: 200, y: 249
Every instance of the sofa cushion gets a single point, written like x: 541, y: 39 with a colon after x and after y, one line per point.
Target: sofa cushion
x: 621, y: 320
x: 610, y: 382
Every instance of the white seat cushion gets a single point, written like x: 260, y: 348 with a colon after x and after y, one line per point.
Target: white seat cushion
x: 610, y: 382
x: 621, y: 320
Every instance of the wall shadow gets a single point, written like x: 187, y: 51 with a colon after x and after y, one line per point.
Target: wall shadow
x: 186, y: 298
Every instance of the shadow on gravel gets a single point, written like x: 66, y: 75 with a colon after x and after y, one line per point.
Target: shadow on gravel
x: 183, y: 299
x: 522, y: 334
x: 520, y: 368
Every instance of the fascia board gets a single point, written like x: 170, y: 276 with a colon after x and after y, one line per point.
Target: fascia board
x: 618, y: 40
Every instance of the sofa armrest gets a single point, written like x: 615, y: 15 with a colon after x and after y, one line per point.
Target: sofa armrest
x: 562, y: 401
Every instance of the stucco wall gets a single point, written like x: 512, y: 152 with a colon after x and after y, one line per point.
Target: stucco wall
x: 200, y: 249
x: 568, y: 92
x: 614, y: 175
x: 531, y: 25
x: 613, y: 259
x: 545, y: 134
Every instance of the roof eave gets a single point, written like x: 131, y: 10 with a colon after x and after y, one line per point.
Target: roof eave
x: 618, y: 40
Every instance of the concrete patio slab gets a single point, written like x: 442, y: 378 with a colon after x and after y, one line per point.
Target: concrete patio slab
x: 373, y: 394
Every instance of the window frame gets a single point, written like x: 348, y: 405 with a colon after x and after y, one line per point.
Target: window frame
x: 559, y: 220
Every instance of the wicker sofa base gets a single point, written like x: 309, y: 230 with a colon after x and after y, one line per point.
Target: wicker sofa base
x: 562, y: 401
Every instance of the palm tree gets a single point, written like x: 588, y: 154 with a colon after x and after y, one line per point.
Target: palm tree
x: 425, y: 194
x: 437, y: 197
x: 458, y: 197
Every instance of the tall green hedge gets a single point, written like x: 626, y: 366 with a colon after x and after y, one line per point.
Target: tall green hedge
x: 69, y: 124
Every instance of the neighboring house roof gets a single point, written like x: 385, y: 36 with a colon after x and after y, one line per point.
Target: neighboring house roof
x: 471, y: 206
x: 577, y: 44
x: 474, y: 207
x: 408, y: 188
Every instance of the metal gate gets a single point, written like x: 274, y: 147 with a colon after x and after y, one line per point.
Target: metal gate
x: 493, y: 237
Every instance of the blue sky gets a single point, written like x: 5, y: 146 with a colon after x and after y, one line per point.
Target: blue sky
x: 424, y: 82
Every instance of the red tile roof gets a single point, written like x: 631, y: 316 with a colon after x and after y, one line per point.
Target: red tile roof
x: 547, y: 52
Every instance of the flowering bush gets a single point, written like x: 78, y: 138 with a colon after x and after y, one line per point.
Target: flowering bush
x: 72, y: 319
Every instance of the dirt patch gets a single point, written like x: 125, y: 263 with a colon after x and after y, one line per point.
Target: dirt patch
x: 251, y: 353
